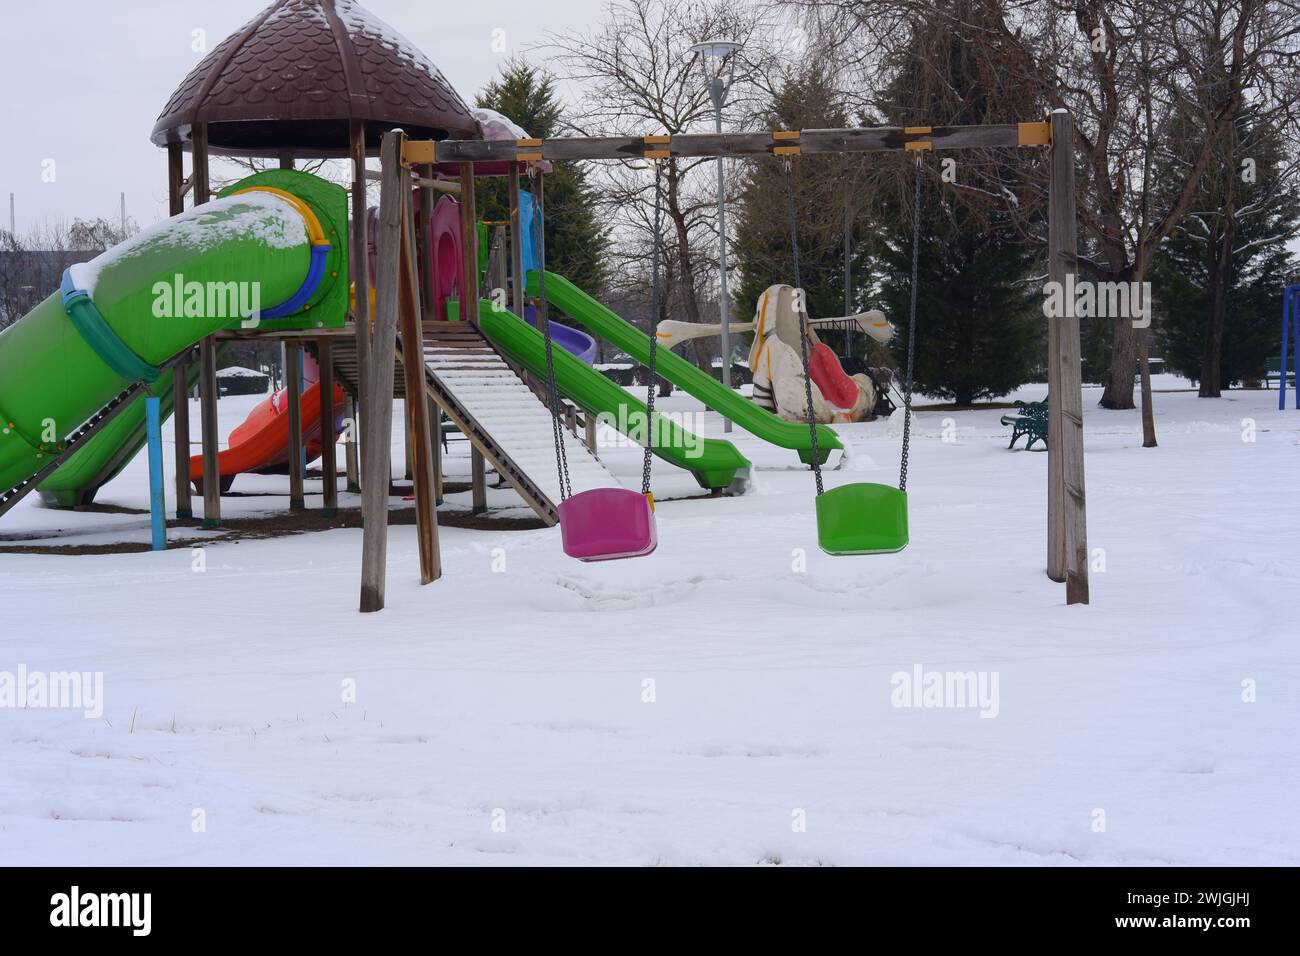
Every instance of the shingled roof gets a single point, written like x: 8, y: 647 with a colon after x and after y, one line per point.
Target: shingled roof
x: 292, y: 78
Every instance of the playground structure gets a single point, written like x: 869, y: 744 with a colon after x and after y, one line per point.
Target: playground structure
x: 293, y: 235
x: 774, y: 358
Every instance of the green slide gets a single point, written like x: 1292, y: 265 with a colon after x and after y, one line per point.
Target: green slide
x: 600, y: 321
x: 714, y: 463
x: 79, y: 478
x: 116, y: 319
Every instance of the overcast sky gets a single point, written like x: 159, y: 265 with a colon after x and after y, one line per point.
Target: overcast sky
x: 83, y: 81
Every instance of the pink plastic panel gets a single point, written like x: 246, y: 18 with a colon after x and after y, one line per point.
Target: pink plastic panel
x: 607, y: 523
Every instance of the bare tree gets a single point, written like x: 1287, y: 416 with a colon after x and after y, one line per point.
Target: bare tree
x: 637, y: 76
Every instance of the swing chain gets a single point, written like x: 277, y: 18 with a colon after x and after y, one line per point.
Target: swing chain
x: 911, y: 328
x: 653, y: 388
x: 802, y: 309
x: 552, y: 390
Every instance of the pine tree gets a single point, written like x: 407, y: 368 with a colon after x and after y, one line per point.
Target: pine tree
x: 762, y: 232
x: 1235, y: 239
x: 576, y: 243
x: 980, y: 330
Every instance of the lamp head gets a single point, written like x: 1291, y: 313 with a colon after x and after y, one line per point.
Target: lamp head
x: 713, y: 52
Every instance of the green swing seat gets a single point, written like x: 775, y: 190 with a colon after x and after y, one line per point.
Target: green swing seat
x: 862, y: 518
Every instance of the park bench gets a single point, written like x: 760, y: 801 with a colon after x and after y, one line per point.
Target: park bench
x: 1030, y: 421
x: 1273, y: 371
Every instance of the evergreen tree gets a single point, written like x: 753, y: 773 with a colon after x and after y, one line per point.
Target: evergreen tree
x: 1234, y: 242
x: 576, y: 242
x: 827, y: 190
x: 981, y: 330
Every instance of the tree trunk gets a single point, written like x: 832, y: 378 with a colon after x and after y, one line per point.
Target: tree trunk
x: 1218, y: 264
x: 1123, y: 363
x: 1212, y: 347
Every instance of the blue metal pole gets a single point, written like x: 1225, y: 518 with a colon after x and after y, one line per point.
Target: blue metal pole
x: 1290, y: 327
x: 157, y: 497
x: 1293, y: 298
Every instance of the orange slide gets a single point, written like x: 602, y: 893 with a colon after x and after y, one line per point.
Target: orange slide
x: 261, y: 443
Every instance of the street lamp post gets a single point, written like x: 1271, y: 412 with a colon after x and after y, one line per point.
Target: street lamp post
x: 719, y: 70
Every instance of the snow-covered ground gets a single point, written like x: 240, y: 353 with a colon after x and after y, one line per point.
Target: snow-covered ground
x: 713, y: 703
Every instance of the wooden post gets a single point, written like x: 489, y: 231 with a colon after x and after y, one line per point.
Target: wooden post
x: 478, y: 480
x: 1144, y: 370
x: 424, y: 233
x: 1067, y: 503
x: 286, y: 160
x: 408, y: 464
x: 207, y: 359
x: 516, y: 246
x: 419, y: 451
x: 378, y: 400
x: 293, y: 396
x: 435, y: 428
x: 350, y: 446
x: 592, y: 444
x: 469, y: 243
x: 329, y: 470
x: 181, y: 372
x: 360, y: 256
x: 571, y: 419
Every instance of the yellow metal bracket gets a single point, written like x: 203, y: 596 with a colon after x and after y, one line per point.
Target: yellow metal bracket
x: 1034, y: 134
x: 416, y: 152
x: 918, y: 144
x: 657, y: 140
x: 786, y: 136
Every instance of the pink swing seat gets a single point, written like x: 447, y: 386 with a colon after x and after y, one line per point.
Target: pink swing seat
x: 608, y: 523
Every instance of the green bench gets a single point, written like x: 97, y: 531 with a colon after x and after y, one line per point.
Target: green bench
x: 1030, y: 421
x: 1273, y: 371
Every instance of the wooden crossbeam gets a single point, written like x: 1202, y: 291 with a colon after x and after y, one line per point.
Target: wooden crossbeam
x: 771, y: 142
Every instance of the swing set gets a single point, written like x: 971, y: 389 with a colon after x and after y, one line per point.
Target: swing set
x: 860, y: 517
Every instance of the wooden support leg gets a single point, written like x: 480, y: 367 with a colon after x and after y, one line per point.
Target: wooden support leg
x: 350, y: 445
x: 180, y: 375
x: 293, y: 398
x: 419, y: 434
x: 478, y: 480
x: 1067, y: 502
x: 208, y: 421
x: 360, y: 262
x: 328, y: 459
x: 435, y: 425
x: 378, y: 399
x: 591, y: 434
x: 181, y: 432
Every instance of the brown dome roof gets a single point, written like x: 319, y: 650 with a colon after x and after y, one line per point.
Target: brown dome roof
x: 292, y: 78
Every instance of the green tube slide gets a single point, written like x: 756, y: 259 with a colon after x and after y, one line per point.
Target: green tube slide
x: 714, y: 463
x: 145, y: 300
x: 78, y: 479
x: 600, y: 321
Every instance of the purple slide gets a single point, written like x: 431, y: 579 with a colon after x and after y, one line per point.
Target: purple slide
x: 566, y: 337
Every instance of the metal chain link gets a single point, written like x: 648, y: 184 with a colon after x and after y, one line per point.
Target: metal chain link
x: 552, y: 391
x: 800, y: 305
x: 653, y: 388
x: 911, y: 329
